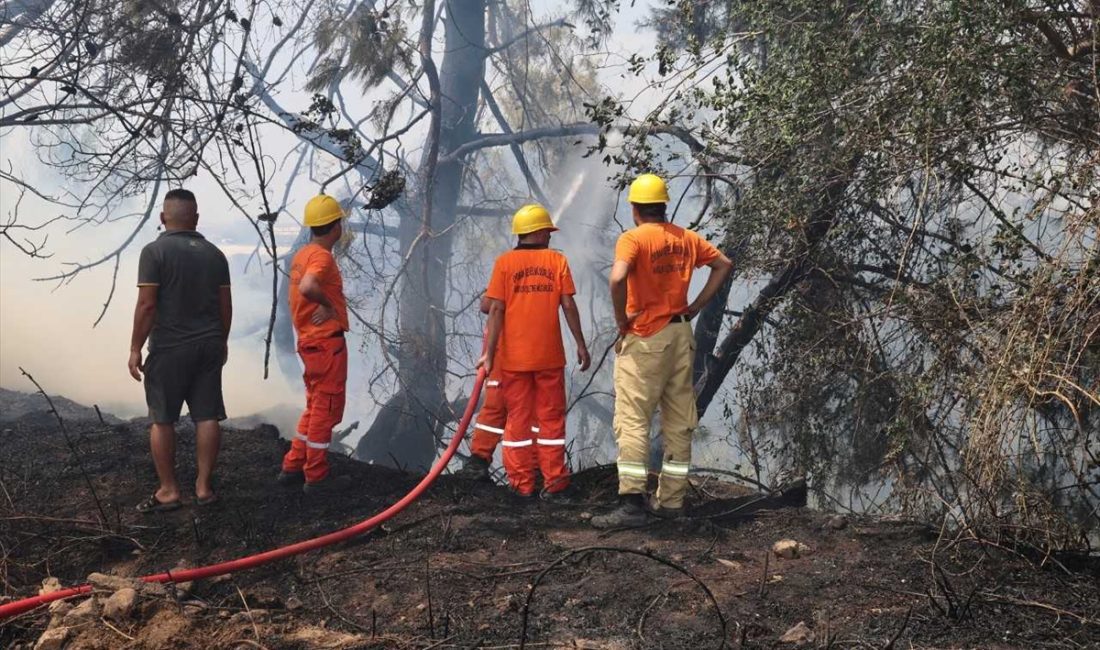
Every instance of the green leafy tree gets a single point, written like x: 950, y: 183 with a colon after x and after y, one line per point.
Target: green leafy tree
x: 912, y: 186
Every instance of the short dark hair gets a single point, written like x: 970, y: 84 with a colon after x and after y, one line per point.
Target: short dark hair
x: 321, y: 231
x: 180, y: 194
x: 651, y: 210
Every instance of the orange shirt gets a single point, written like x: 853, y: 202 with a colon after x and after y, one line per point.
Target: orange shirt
x: 530, y: 282
x: 662, y: 257
x: 314, y: 259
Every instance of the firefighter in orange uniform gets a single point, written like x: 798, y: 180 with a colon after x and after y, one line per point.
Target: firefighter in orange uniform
x: 527, y: 287
x: 320, y: 315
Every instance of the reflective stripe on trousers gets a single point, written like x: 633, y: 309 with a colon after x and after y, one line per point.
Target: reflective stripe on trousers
x: 325, y: 379
x: 654, y: 372
x: 534, y: 437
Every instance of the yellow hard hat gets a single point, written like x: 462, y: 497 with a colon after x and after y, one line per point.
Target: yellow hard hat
x: 531, y: 218
x: 648, y: 188
x: 323, y: 210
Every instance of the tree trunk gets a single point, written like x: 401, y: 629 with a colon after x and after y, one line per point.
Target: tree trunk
x: 406, y: 430
x: 716, y: 367
x: 710, y: 320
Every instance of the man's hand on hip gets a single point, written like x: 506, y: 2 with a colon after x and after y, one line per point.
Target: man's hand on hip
x: 322, y: 314
x: 625, y: 323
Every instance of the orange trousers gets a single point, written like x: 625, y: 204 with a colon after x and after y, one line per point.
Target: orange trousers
x: 489, y: 428
x: 534, y: 437
x: 326, y: 378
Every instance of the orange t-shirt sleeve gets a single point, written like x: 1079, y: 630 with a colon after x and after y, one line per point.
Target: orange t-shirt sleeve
x: 567, y: 286
x: 626, y: 249
x: 705, y: 252
x: 496, y: 282
x: 318, y: 265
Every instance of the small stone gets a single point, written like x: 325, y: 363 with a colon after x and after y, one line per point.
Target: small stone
x: 60, y: 607
x: 293, y: 603
x: 85, y: 611
x: 585, y: 516
x: 837, y: 522
x: 506, y: 603
x: 790, y: 549
x: 58, y: 610
x: 120, y: 604
x: 800, y: 635
x: 152, y: 589
x: 52, y: 639
x: 222, y: 613
x: 111, y: 583
x: 736, y: 566
x: 49, y: 585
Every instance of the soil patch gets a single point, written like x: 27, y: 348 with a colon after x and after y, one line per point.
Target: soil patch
x: 456, y: 569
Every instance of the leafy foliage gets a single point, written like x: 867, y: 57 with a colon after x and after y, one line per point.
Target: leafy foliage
x: 926, y: 172
x: 366, y: 46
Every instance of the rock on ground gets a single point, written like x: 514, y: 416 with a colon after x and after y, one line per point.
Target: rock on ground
x: 85, y: 611
x: 120, y: 604
x: 52, y: 639
x: 49, y: 585
x: 799, y: 635
x: 58, y: 610
x: 110, y: 583
x: 790, y: 549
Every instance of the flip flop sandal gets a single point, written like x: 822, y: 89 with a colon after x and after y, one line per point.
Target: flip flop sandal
x: 152, y: 504
x: 208, y: 501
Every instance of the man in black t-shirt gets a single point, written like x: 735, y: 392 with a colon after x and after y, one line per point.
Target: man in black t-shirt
x: 184, y: 309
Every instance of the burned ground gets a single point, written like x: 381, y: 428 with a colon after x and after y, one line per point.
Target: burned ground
x: 456, y: 569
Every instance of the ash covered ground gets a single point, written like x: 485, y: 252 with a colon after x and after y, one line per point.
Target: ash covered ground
x: 456, y: 569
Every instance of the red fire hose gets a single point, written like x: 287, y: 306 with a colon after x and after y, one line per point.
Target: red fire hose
x: 185, y: 575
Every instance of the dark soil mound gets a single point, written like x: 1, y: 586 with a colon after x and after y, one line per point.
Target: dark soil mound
x: 15, y: 405
x: 456, y: 569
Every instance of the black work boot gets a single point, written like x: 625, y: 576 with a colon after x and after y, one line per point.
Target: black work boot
x: 475, y: 468
x: 568, y: 496
x: 290, y: 479
x: 629, y: 513
x: 319, y: 487
x: 664, y: 512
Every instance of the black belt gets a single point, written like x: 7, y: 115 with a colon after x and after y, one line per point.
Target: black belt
x: 335, y: 335
x: 681, y: 318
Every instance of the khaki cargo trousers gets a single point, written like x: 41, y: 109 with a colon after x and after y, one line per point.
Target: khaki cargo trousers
x: 650, y: 372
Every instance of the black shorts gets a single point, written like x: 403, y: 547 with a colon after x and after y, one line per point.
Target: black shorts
x: 190, y: 373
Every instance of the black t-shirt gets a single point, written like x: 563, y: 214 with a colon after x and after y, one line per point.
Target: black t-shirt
x: 188, y: 271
